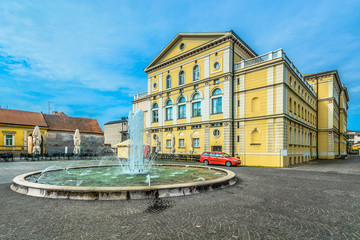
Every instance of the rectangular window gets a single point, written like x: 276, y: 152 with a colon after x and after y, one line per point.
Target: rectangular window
x: 169, y: 113
x: 196, y: 142
x: 181, y: 143
x: 217, y: 81
x: 168, y: 143
x: 238, y: 138
x: 196, y: 109
x: 155, y: 116
x: 182, y: 111
x: 9, y: 140
x: 217, y: 105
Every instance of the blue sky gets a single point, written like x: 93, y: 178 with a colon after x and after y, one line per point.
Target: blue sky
x: 87, y: 57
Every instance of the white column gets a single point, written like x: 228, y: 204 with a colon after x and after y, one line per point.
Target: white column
x: 270, y: 135
x: 188, y: 112
x: 280, y: 73
x: 148, y: 114
x: 280, y: 99
x: 227, y: 60
x: 161, y: 111
x: 205, y: 109
x: 227, y: 99
x: 227, y: 137
x: 331, y: 115
x: 242, y: 137
x: 206, y: 67
x: 270, y: 91
x: 175, y: 110
x: 149, y: 86
x: 242, y: 105
x: 160, y: 82
x: 242, y: 82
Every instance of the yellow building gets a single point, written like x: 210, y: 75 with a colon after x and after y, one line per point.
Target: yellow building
x: 57, y: 130
x: 212, y: 92
x: 16, y: 127
x: 332, y: 111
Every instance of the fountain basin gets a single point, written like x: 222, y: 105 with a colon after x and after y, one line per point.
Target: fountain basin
x: 21, y: 185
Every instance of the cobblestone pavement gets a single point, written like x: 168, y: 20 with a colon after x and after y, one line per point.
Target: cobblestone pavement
x: 266, y: 203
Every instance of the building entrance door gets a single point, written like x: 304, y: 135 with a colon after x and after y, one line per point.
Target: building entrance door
x: 217, y: 148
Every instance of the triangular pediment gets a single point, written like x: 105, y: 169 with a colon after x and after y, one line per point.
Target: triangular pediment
x: 182, y: 43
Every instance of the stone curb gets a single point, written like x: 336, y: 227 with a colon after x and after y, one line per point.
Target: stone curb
x: 22, y: 186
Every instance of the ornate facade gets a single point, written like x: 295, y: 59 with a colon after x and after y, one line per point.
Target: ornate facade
x: 211, y: 91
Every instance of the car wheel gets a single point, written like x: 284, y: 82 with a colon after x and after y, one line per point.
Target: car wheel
x: 228, y: 164
x: 206, y: 162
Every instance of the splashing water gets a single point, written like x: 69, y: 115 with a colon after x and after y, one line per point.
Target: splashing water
x: 137, y: 163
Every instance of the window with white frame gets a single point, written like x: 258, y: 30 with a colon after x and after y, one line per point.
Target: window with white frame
x: 181, y: 77
x: 9, y: 140
x: 216, y: 101
x: 196, y: 105
x: 168, y: 81
x: 168, y: 110
x: 155, y: 113
x: 182, y: 108
x: 196, y: 143
x: 168, y: 143
x: 196, y: 73
x: 181, y: 143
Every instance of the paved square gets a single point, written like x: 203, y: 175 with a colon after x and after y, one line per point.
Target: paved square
x: 319, y: 200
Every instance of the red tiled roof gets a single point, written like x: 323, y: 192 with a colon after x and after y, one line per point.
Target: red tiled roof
x: 9, y: 116
x: 61, y: 122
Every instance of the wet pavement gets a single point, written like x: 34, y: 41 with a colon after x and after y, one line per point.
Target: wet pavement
x: 318, y: 200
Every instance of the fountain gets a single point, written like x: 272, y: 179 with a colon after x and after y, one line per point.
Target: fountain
x: 136, y: 178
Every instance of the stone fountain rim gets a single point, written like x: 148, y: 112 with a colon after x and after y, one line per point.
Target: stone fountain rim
x: 23, y: 186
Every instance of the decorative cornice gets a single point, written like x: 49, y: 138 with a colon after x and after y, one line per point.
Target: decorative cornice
x: 202, y: 48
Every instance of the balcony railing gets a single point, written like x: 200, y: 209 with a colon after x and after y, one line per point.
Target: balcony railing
x: 270, y: 56
x: 140, y: 95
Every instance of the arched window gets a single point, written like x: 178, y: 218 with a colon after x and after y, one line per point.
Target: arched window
x: 168, y: 81
x: 294, y: 109
x: 255, y: 105
x: 168, y: 110
x: 181, y: 100
x: 196, y: 105
x: 294, y: 136
x: 298, y: 140
x: 155, y: 113
x: 196, y: 96
x: 217, y: 92
x: 182, y: 108
x: 290, y: 105
x: 216, y: 101
x: 181, y: 77
x: 196, y: 73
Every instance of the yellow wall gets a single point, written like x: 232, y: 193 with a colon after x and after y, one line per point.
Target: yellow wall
x: 20, y: 132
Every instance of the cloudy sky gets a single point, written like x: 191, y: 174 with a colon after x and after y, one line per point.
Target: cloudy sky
x: 86, y: 58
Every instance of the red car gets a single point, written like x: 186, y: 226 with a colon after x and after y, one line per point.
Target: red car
x: 219, y: 158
